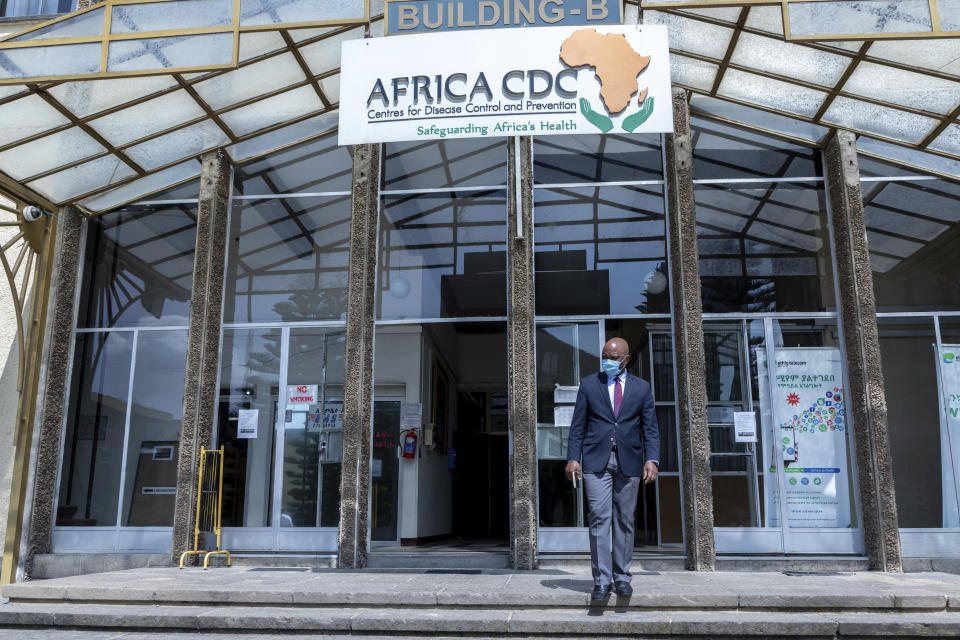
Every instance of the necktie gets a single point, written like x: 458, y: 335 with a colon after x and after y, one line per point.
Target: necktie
x: 617, y: 397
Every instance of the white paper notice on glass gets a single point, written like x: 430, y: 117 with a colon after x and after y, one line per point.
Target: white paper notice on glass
x: 745, y: 426
x: 411, y: 415
x: 562, y: 416
x: 247, y: 420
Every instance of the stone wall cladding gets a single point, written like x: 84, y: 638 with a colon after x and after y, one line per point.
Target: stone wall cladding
x: 691, y: 390
x: 358, y: 367
x: 203, y: 341
x: 866, y: 393
x: 55, y: 381
x: 521, y: 357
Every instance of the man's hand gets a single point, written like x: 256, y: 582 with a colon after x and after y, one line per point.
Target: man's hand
x: 573, y: 467
x: 649, y: 472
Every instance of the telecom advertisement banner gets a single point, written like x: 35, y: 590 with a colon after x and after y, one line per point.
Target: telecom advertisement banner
x: 948, y: 369
x: 810, y: 435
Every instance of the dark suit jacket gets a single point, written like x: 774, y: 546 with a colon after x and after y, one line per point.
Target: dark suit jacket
x: 593, y: 425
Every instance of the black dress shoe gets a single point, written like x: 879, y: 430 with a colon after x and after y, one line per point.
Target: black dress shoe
x: 622, y: 588
x: 600, y: 592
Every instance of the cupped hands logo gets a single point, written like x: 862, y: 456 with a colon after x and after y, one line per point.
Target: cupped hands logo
x: 616, y: 66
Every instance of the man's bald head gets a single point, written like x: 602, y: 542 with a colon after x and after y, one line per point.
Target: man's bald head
x: 615, y: 349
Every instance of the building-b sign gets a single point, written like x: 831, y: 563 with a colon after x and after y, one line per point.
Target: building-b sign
x: 420, y: 16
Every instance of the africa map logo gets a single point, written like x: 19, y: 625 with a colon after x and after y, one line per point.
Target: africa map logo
x: 616, y: 66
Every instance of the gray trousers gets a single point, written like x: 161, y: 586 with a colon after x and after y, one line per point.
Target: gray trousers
x: 612, y: 499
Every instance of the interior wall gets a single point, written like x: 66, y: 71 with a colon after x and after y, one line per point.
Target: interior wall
x: 9, y: 361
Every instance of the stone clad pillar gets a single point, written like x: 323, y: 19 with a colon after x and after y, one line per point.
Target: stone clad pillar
x: 865, y: 395
x: 203, y: 341
x: 691, y: 389
x: 521, y: 355
x: 358, y: 368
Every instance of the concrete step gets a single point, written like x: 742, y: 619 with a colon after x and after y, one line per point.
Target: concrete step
x: 560, y: 623
x: 438, y: 560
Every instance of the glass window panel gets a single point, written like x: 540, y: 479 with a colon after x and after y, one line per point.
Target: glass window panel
x: 445, y: 163
x: 163, y: 16
x: 174, y: 52
x: 84, y: 24
x: 274, y: 110
x: 288, y: 260
x: 769, y: 19
x: 757, y: 118
x: 908, y: 156
x: 324, y: 55
x: 871, y: 167
x: 902, y: 87
x: 313, y: 167
x: 50, y: 61
x: 83, y: 178
x: 156, y: 415
x: 249, y: 380
x: 691, y: 35
x: 692, y: 73
x: 251, y: 81
x: 299, y: 35
x: 189, y: 141
x: 908, y: 355
x: 873, y: 118
x: 16, y: 8
x: 283, y: 136
x: 767, y: 92
x: 258, y: 43
x: 912, y: 232
x: 10, y: 90
x: 787, y: 59
x: 723, y: 151
x: 443, y: 255
x: 764, y: 248
x: 600, y: 251
x: 865, y: 16
x: 92, y: 96
x: 949, y: 14
x: 48, y: 152
x: 596, y: 158
x: 948, y: 141
x: 93, y: 442
x: 331, y: 88
x: 152, y: 116
x: 138, y: 267
x: 143, y: 186
x: 933, y: 53
x: 727, y: 14
x: 289, y: 11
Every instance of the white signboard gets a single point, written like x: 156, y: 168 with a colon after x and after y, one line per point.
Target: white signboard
x: 302, y: 393
x: 948, y: 372
x: 411, y: 415
x: 810, y: 428
x: 506, y: 82
x: 247, y: 420
x: 745, y: 426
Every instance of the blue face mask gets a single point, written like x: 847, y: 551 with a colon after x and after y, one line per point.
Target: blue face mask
x: 610, y: 367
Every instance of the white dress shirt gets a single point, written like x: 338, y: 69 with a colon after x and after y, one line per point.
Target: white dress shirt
x: 622, y: 377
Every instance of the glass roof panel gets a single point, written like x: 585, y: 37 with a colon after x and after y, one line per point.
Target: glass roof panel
x: 771, y: 93
x: 283, y: 136
x: 376, y: 29
x: 948, y: 141
x: 725, y: 151
x: 757, y: 118
x: 769, y: 19
x: 257, y: 43
x: 788, y: 59
x: 631, y: 14
x: 140, y: 187
x: 840, y: 17
x: 906, y: 88
x: 88, y: 97
x: 846, y: 45
x: 186, y: 191
x: 949, y: 14
x: 178, y: 144
x: 729, y: 14
x: 163, y: 16
x: 270, y: 111
x: 50, y: 61
x: 691, y: 72
x: 67, y: 184
x: 883, y: 121
x: 695, y: 36
x: 265, y: 76
x: 27, y: 116
x: 937, y: 54
x: 331, y: 88
x: 84, y: 24
x: 324, y: 55
x: 170, y: 53
x: 908, y: 156
x: 147, y: 118
x: 299, y: 35
x: 48, y: 152
x: 294, y: 170
x: 871, y: 167
x: 10, y: 90
x: 291, y: 11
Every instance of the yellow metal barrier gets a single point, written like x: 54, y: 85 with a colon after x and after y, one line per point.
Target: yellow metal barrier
x: 209, y: 507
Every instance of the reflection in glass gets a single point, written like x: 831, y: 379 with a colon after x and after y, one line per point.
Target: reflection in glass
x: 445, y: 163
x: 443, y: 255
x: 596, y: 158
x: 724, y: 151
x: 600, y: 250
x: 764, y: 248
x: 288, y: 260
x: 384, y: 487
x: 313, y: 167
x: 249, y: 380
x: 93, y: 444
x: 156, y: 415
x: 138, y: 267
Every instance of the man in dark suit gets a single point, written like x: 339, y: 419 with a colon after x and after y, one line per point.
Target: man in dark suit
x: 614, y: 431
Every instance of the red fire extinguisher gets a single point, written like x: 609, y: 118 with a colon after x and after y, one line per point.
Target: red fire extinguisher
x: 409, y: 439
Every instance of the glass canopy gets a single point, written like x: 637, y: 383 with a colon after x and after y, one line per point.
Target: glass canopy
x: 140, y: 122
